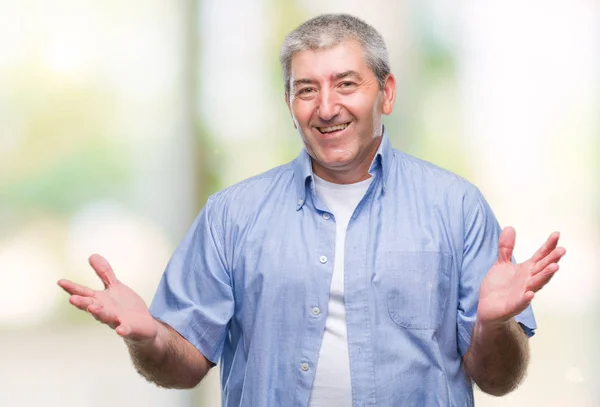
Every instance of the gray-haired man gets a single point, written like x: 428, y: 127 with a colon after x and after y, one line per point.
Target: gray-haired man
x: 355, y: 275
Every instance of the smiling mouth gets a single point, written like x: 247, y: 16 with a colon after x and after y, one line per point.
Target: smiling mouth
x: 333, y: 129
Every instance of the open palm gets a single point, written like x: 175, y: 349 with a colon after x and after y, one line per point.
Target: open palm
x: 508, y: 288
x: 117, y: 306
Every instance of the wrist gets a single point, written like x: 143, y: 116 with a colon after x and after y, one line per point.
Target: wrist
x: 153, y: 343
x: 486, y: 327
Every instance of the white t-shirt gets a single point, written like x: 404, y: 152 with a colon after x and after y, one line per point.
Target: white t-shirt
x: 332, y: 386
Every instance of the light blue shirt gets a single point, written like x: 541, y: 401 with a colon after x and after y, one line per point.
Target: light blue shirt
x: 249, y: 284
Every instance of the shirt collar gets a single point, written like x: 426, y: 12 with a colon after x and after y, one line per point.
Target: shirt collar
x: 303, y: 168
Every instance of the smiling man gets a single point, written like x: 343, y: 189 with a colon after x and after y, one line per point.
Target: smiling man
x: 355, y: 275
x: 336, y: 103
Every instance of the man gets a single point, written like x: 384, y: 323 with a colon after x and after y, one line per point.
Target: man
x: 355, y: 275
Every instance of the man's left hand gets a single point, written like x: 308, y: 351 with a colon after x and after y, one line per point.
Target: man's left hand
x: 508, y: 288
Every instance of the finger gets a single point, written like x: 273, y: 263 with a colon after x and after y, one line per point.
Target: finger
x: 81, y: 302
x: 547, y: 247
x: 506, y: 244
x: 103, y: 270
x: 553, y: 257
x: 75, y: 289
x: 542, y: 278
x: 103, y: 315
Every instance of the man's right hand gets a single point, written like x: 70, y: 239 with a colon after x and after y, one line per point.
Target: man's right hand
x: 117, y: 306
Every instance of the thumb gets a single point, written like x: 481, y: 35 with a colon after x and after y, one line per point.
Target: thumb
x: 123, y: 330
x: 138, y: 334
x: 506, y: 244
x: 103, y: 270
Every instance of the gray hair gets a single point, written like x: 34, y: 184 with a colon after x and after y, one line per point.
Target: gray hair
x: 329, y: 30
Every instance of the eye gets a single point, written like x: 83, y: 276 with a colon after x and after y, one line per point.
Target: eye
x: 306, y: 91
x: 347, y: 86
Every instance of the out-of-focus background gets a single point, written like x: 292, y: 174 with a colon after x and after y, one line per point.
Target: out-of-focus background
x: 118, y: 119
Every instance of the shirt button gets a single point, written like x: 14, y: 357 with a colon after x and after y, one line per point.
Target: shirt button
x: 304, y: 366
x: 326, y: 216
x: 316, y: 311
x: 300, y: 201
x: 323, y: 259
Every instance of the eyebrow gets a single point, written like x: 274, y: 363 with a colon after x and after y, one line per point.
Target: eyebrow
x: 346, y: 74
x: 336, y: 77
x: 303, y: 81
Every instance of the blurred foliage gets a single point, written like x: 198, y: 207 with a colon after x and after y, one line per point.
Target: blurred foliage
x: 208, y: 171
x: 60, y: 150
x: 434, y: 91
x: 91, y: 172
x: 206, y: 147
x: 283, y: 17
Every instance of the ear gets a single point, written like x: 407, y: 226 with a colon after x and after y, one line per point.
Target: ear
x: 389, y: 94
x: 287, y: 102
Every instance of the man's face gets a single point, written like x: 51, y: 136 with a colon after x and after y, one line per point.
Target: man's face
x: 336, y: 105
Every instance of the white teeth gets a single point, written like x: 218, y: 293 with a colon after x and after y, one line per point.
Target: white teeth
x: 333, y: 128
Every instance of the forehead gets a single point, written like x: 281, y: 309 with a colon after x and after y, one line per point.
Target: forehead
x: 323, y: 63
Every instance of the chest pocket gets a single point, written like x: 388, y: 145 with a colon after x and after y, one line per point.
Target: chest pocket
x: 418, y: 287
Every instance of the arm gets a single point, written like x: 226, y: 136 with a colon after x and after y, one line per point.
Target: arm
x: 158, y: 352
x: 498, y: 355
x: 170, y: 361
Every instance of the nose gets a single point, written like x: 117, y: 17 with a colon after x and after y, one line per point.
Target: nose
x: 329, y: 106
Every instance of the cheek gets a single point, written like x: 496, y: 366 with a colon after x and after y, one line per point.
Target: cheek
x: 361, y: 106
x: 302, y: 113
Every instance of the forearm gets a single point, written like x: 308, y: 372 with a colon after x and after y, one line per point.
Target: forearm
x: 170, y: 361
x: 497, y: 357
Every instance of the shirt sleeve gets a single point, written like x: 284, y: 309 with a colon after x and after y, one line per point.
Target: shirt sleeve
x: 195, y: 295
x: 480, y: 251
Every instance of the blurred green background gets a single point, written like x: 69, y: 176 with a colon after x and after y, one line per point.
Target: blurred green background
x: 117, y: 120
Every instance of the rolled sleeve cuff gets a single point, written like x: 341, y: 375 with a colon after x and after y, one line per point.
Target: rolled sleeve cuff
x: 209, y: 345
x: 525, y: 319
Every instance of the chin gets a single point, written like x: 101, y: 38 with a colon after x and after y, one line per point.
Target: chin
x: 335, y: 162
